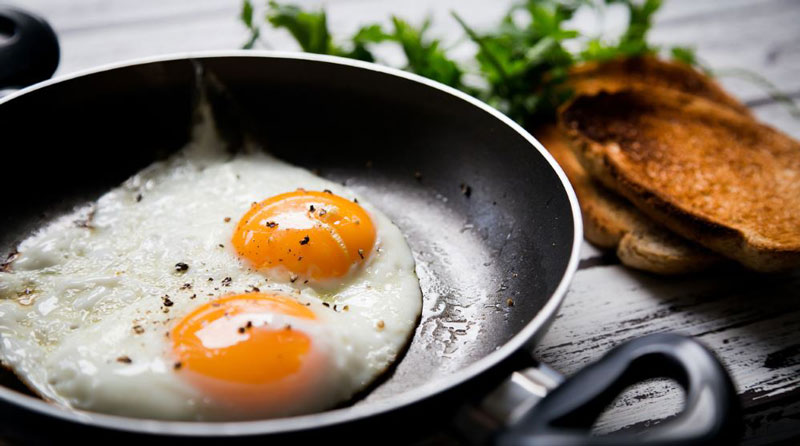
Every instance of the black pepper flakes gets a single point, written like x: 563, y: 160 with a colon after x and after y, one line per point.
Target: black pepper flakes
x: 177, y: 365
x: 186, y: 286
x: 138, y: 197
x: 510, y: 302
x: 138, y: 329
x: 227, y: 219
x: 167, y: 301
x: 249, y: 324
x: 241, y: 330
x: 328, y: 191
x: 227, y: 281
x: 466, y: 190
x: 193, y: 296
x: 326, y: 304
x: 124, y: 359
x: 181, y: 267
x: 361, y: 253
x: 305, y: 240
x: 311, y: 208
x: 293, y: 278
x: 355, y: 200
x: 270, y: 224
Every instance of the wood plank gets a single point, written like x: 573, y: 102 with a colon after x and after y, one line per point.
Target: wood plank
x: 778, y: 116
x: 608, y: 304
x: 732, y: 35
x: 761, y: 37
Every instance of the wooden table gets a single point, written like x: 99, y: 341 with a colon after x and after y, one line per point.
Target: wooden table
x: 751, y: 321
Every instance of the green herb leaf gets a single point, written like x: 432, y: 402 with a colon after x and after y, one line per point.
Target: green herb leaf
x: 309, y: 29
x: 247, y: 13
x: 246, y: 16
x: 684, y: 54
x: 423, y: 56
x: 524, y: 60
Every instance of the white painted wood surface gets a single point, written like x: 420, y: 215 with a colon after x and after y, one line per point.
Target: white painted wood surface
x: 751, y: 321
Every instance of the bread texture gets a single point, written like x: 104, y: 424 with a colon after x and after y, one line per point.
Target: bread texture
x: 612, y: 222
x: 704, y: 169
x: 615, y: 75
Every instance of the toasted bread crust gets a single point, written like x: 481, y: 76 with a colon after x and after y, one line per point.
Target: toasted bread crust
x: 662, y: 252
x: 704, y: 170
x: 619, y: 74
x: 612, y: 222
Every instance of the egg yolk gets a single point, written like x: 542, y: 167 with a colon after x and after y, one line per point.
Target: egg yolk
x: 244, y: 343
x: 317, y: 235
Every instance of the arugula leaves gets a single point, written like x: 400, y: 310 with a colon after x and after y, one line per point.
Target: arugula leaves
x: 524, y: 61
x: 310, y: 30
x: 526, y: 66
x: 246, y: 16
x: 424, y: 56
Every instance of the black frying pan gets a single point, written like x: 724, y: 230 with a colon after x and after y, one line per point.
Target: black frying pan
x: 491, y: 218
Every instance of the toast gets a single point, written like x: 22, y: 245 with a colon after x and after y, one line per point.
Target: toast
x: 618, y: 74
x: 705, y: 170
x: 612, y: 222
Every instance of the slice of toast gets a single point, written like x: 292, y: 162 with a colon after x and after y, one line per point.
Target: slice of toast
x: 618, y: 74
x: 703, y: 169
x: 610, y: 221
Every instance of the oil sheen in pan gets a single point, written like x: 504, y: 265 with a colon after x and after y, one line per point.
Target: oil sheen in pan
x: 458, y: 309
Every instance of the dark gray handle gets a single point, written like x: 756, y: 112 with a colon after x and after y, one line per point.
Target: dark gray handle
x: 565, y: 416
x: 29, y: 51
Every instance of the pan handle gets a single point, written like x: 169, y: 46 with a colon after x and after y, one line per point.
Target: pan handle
x: 29, y: 51
x: 565, y: 416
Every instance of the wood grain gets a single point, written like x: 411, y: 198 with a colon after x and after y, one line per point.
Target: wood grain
x: 752, y: 322
x: 608, y: 304
x: 757, y: 35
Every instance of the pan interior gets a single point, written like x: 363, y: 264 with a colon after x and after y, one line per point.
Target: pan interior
x: 488, y: 220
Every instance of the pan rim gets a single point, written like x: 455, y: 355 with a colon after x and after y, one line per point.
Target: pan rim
x: 346, y: 414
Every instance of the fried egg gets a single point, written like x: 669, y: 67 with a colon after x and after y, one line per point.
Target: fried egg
x: 210, y: 286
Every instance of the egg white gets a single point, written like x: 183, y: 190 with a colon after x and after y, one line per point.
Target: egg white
x: 87, y: 291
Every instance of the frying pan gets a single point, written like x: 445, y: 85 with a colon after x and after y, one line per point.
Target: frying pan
x: 489, y: 215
